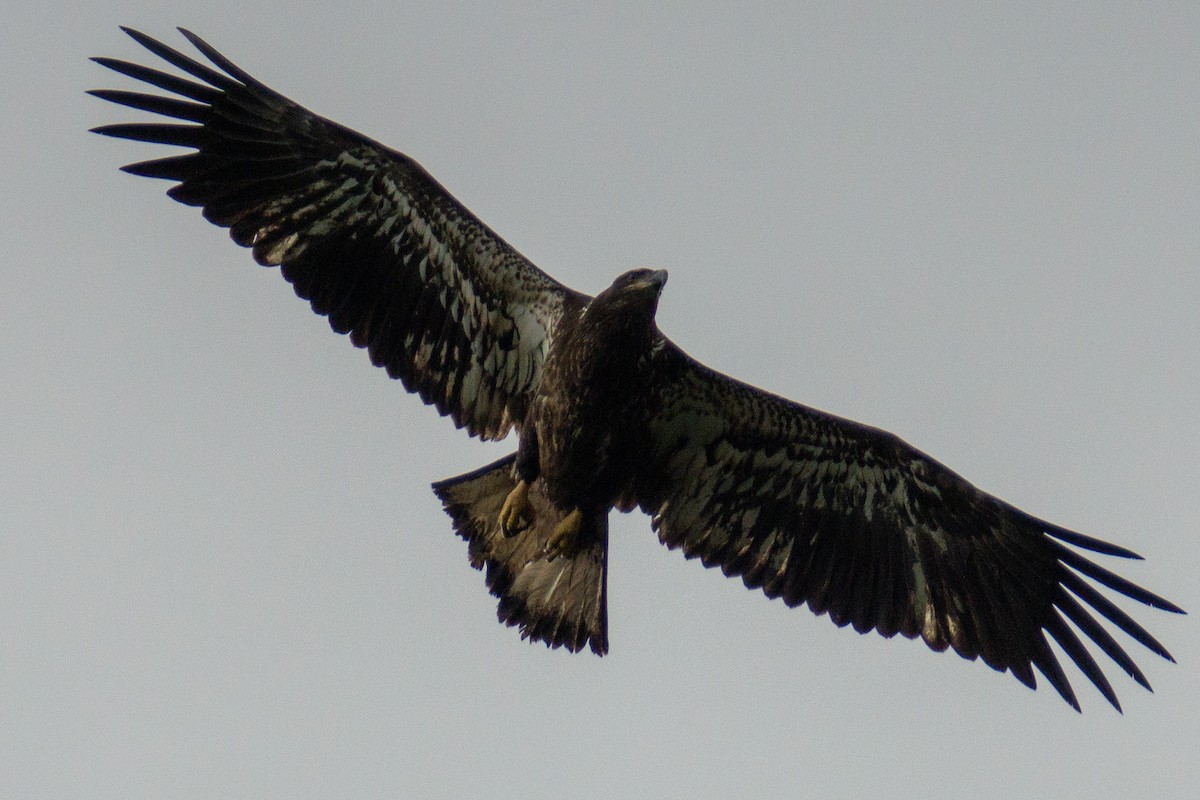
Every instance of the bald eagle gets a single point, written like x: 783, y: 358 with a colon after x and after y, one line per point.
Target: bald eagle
x: 609, y: 413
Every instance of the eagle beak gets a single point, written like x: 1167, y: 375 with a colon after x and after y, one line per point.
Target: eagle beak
x: 658, y: 278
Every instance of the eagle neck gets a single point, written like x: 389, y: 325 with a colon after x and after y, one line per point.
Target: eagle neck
x: 613, y: 343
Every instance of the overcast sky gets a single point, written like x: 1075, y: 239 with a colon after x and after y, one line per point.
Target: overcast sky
x: 222, y: 570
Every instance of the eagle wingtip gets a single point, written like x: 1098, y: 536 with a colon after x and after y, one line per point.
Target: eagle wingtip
x: 191, y: 37
x: 145, y: 40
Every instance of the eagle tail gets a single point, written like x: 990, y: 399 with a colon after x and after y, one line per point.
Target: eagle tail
x: 561, y: 601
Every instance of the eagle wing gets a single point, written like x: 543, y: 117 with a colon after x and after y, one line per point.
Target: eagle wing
x: 855, y: 522
x: 361, y: 231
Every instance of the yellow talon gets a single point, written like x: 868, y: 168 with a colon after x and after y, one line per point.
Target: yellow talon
x: 516, y: 513
x: 566, y: 535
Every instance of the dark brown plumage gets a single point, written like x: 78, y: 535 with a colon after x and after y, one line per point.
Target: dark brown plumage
x: 815, y: 509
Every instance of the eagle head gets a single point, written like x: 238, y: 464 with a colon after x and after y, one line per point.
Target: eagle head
x: 627, y: 307
x: 641, y: 280
x: 637, y: 289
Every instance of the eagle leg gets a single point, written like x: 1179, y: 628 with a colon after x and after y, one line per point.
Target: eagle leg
x: 516, y: 514
x: 563, y: 540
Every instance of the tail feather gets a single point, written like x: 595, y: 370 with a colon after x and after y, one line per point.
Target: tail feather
x: 563, y: 601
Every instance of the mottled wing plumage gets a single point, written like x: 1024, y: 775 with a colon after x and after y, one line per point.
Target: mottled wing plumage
x: 361, y: 231
x: 857, y: 524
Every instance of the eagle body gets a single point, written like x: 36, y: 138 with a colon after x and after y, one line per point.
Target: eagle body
x: 808, y: 507
x: 586, y: 428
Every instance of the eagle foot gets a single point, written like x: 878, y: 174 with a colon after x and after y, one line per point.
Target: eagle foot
x: 516, y: 514
x: 565, y: 537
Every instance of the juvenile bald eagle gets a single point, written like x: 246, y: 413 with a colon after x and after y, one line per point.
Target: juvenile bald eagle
x: 609, y: 413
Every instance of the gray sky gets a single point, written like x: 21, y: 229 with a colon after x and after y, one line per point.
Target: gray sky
x: 224, y: 573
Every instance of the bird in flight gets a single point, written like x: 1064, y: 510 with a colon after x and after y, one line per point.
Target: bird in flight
x: 609, y: 413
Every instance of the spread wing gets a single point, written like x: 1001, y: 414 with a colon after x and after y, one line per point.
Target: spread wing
x: 361, y: 231
x: 854, y: 522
